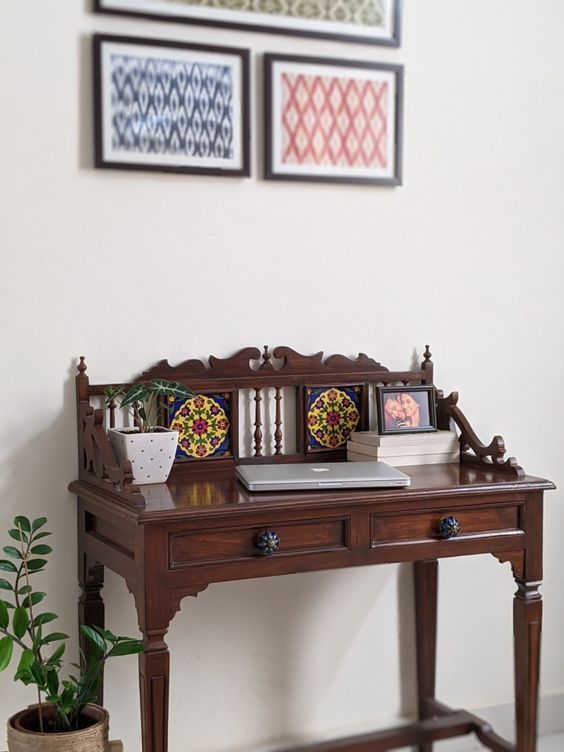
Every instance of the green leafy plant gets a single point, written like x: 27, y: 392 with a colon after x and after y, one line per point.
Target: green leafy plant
x: 142, y: 400
x: 22, y: 625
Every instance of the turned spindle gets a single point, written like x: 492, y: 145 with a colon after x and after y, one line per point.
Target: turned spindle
x: 258, y: 423
x: 278, y: 422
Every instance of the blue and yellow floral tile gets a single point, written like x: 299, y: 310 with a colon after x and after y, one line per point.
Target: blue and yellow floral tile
x: 203, y: 424
x: 332, y: 413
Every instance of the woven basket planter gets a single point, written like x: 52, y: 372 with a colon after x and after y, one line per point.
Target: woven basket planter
x: 92, y: 738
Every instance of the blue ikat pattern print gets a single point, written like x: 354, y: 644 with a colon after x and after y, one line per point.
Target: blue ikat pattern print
x: 169, y: 107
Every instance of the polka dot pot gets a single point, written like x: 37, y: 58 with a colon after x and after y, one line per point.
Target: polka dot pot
x: 151, y: 454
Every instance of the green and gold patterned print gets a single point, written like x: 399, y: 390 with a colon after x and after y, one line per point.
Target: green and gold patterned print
x: 362, y: 12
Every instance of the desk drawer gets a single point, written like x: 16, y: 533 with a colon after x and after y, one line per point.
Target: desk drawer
x: 219, y: 545
x: 426, y: 526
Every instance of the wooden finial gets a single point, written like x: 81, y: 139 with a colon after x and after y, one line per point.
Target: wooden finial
x: 427, y: 366
x: 266, y: 358
x: 82, y: 380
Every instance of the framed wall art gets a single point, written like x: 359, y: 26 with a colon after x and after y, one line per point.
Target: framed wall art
x: 333, y: 120
x: 406, y: 409
x: 366, y: 21
x: 171, y: 107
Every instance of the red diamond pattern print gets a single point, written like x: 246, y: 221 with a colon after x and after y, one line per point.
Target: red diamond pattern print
x: 327, y: 120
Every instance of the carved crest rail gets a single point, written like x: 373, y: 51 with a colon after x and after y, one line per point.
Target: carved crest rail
x: 269, y: 379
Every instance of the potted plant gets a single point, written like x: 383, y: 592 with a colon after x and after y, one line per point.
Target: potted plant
x: 65, y: 716
x: 150, y: 447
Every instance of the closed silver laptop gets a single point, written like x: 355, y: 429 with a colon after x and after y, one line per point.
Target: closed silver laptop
x: 315, y: 476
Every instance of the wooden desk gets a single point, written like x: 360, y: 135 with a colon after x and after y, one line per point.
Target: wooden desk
x: 171, y: 541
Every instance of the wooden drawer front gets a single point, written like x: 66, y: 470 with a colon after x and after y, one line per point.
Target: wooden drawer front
x: 422, y: 526
x: 239, y: 543
x: 120, y: 538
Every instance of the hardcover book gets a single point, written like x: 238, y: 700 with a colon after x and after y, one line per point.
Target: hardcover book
x: 383, y: 452
x: 373, y: 438
x: 404, y: 461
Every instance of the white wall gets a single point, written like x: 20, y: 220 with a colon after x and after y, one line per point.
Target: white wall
x: 130, y: 268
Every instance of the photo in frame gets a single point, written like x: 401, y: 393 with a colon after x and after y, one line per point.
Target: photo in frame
x: 171, y: 107
x: 329, y: 120
x: 364, y: 21
x: 406, y: 409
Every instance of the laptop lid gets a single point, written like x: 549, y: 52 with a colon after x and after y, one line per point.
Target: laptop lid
x: 317, y: 475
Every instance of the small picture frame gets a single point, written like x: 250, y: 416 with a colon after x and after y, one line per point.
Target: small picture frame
x: 333, y: 121
x: 406, y: 409
x: 171, y: 107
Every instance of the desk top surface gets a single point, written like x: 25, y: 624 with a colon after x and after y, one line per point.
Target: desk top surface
x: 222, y: 493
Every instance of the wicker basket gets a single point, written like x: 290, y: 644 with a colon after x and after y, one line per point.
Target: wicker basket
x: 93, y: 738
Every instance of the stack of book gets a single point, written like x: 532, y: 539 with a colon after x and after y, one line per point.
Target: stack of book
x: 400, y: 450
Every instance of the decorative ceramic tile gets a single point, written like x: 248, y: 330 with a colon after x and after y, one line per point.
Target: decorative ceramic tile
x: 332, y: 413
x: 203, y: 424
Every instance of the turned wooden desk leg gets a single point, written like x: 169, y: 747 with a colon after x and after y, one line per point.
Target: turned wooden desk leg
x: 527, y: 625
x: 154, y: 669
x: 527, y: 621
x: 426, y: 575
x: 90, y: 605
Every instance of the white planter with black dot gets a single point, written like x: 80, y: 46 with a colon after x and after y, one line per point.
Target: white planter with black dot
x: 151, y: 454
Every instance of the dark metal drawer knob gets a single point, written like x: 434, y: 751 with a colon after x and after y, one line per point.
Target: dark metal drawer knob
x: 449, y: 527
x: 268, y: 542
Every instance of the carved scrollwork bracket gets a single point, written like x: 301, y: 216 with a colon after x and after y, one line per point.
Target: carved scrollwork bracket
x: 177, y: 596
x: 97, y: 460
x: 516, y: 559
x: 170, y: 607
x: 472, y: 450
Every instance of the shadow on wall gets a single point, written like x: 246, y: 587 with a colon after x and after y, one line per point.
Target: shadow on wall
x: 407, y: 654
x: 278, y: 655
x: 38, y: 472
x: 85, y: 102
x: 36, y: 475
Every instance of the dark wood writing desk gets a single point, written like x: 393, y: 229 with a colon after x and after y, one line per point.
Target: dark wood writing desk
x: 171, y: 541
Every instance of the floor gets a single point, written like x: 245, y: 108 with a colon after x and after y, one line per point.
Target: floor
x: 546, y: 744
x: 552, y: 743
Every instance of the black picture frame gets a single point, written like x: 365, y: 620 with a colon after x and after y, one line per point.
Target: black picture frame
x: 272, y: 172
x: 393, y: 40
x: 429, y: 402
x: 100, y: 158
